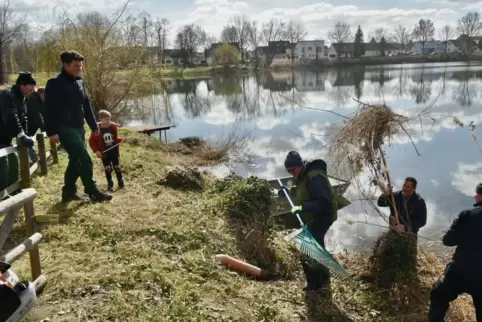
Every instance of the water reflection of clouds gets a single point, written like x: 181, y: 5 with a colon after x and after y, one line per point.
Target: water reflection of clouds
x: 447, y: 170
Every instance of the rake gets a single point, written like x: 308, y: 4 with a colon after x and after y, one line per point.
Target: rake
x: 303, y: 240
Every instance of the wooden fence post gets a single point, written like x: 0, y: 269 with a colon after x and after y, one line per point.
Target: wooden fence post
x: 53, y: 152
x: 42, y: 154
x: 24, y: 166
x: 31, y: 228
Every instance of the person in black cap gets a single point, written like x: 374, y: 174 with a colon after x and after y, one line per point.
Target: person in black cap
x: 67, y: 105
x: 13, y: 124
x: 317, y: 209
x: 464, y: 273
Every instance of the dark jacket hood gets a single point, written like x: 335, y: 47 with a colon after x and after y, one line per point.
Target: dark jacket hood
x: 317, y: 164
x: 478, y: 204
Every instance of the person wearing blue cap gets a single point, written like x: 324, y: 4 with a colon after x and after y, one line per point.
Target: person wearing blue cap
x: 317, y: 209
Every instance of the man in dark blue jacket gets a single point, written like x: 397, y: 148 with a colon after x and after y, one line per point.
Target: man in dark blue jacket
x: 411, y: 207
x: 13, y: 124
x: 66, y: 107
x: 464, y: 273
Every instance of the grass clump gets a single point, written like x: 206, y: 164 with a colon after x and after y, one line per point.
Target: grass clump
x: 247, y: 206
x: 184, y: 179
x: 394, y: 259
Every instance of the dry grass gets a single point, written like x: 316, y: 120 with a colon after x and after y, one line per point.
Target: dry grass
x: 148, y: 254
x: 365, y: 132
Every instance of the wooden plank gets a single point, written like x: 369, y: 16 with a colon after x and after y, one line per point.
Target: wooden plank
x: 8, y: 150
x: 150, y: 128
x: 53, y: 151
x: 7, y: 225
x: 10, y: 189
x: 42, y: 160
x: 31, y: 228
x: 24, y: 167
x: 39, y: 283
x: 18, y: 200
x: 16, y: 253
x: 33, y: 168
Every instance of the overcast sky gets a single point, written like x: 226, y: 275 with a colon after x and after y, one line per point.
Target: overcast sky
x: 317, y: 16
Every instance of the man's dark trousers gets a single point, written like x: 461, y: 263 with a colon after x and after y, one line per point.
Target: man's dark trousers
x: 316, y: 274
x: 80, y: 163
x: 446, y: 290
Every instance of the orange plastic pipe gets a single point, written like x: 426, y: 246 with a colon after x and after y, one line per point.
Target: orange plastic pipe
x: 238, y: 265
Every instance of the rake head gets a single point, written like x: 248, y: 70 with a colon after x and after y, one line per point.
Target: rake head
x: 307, y: 245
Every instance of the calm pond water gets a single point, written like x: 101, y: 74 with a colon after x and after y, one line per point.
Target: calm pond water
x: 267, y: 106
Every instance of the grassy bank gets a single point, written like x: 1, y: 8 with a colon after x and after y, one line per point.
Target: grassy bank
x: 148, y: 254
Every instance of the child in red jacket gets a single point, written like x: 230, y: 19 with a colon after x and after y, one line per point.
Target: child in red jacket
x: 106, y: 147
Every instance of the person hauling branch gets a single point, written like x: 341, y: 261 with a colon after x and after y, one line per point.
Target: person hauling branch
x: 317, y: 209
x: 109, y: 142
x: 411, y: 207
x: 66, y: 107
x: 13, y: 124
x: 464, y: 273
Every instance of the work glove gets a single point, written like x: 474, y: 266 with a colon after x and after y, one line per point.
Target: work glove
x: 296, y: 210
x: 281, y: 193
x: 26, y: 140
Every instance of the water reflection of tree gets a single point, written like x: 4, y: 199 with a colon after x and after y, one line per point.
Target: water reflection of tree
x: 358, y: 78
x: 421, y: 91
x: 466, y: 91
x: 400, y: 87
x: 195, y: 102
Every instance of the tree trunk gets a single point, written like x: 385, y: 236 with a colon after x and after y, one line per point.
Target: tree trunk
x: 3, y: 69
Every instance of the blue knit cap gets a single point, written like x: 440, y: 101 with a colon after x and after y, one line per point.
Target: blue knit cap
x: 293, y: 160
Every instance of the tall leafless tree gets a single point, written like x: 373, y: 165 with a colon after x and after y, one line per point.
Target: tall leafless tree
x: 423, y: 31
x: 445, y: 35
x: 229, y: 34
x: 470, y: 26
x: 162, y: 28
x: 254, y: 40
x: 10, y: 26
x: 272, y: 30
x: 340, y: 33
x: 190, y: 38
x: 379, y: 34
x: 402, y: 36
x: 294, y: 32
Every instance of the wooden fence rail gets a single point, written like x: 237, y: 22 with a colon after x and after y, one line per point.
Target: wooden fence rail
x: 10, y: 208
x: 26, y: 171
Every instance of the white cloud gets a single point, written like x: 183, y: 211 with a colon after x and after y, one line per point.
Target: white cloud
x: 466, y: 177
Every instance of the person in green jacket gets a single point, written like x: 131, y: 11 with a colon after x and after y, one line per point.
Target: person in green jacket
x: 317, y: 209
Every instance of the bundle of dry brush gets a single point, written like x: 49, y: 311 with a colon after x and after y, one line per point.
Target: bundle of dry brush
x: 362, y: 135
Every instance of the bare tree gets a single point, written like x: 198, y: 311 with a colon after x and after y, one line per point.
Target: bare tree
x: 273, y: 30
x: 162, y: 28
x: 146, y: 28
x: 379, y: 34
x: 190, y: 39
x: 339, y: 34
x: 402, y: 36
x: 10, y: 26
x: 470, y: 26
x: 423, y: 31
x: 294, y: 32
x: 445, y: 35
x: 254, y: 40
x: 229, y: 34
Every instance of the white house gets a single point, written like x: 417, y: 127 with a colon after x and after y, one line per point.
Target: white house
x: 345, y: 50
x: 373, y: 49
x: 309, y: 50
x: 433, y: 46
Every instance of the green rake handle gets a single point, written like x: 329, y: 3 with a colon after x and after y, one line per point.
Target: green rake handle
x: 291, y: 202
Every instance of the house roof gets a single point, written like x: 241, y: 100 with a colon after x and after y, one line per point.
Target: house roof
x: 462, y: 42
x: 377, y: 46
x: 344, y: 47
